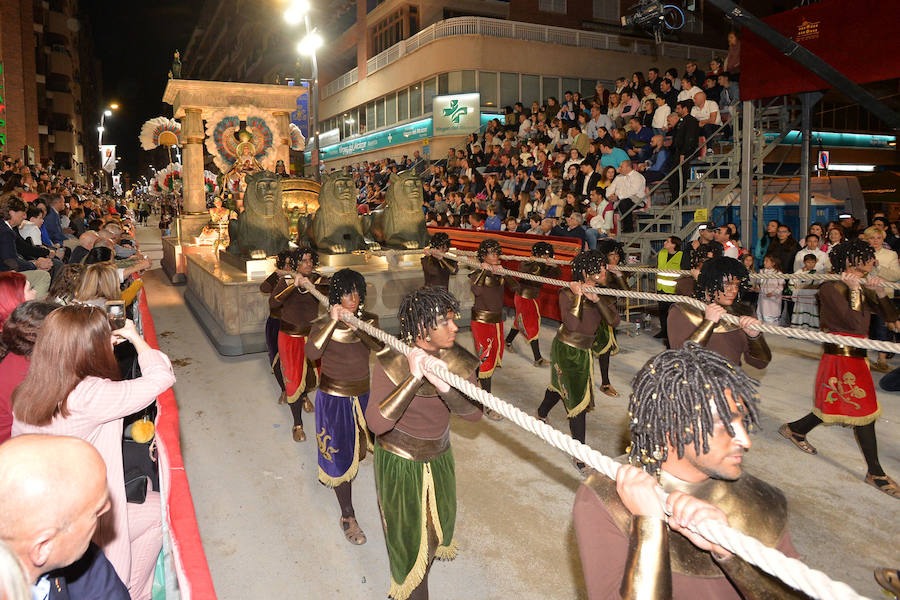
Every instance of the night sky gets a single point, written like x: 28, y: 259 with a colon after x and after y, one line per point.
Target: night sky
x: 134, y: 42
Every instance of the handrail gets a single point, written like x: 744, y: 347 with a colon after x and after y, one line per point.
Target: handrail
x: 342, y: 82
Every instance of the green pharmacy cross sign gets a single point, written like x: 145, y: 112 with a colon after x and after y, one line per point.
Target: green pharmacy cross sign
x: 455, y: 112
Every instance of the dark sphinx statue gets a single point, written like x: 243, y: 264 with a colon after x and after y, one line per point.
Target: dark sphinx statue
x: 263, y: 228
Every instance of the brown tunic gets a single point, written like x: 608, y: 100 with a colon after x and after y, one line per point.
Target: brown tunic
x: 437, y: 271
x: 296, y: 307
x: 724, y: 338
x: 269, y: 283
x: 532, y: 289
x: 685, y: 285
x: 345, y: 354
x: 593, y: 314
x: 835, y: 314
x: 607, y: 536
x: 488, y: 291
x: 428, y: 414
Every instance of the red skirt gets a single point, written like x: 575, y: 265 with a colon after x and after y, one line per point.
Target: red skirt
x: 298, y: 376
x: 528, y: 317
x: 488, y: 346
x: 845, y: 392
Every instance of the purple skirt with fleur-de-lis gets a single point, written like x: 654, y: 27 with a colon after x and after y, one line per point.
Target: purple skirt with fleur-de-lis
x: 341, y: 435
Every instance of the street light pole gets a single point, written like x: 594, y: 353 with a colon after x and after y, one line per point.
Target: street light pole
x: 314, y: 105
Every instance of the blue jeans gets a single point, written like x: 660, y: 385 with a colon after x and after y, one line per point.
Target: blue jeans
x: 591, y: 235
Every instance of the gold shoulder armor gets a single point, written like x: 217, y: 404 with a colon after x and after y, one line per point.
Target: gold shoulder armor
x: 696, y: 316
x: 394, y: 364
x: 460, y: 361
x: 605, y: 489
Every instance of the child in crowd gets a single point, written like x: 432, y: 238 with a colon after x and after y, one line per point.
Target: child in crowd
x: 768, y: 308
x: 806, y: 308
x: 751, y: 296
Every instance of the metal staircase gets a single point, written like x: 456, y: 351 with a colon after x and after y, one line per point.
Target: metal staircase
x: 714, y: 182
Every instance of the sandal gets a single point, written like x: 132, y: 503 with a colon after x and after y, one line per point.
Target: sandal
x: 797, y: 439
x: 889, y: 579
x: 308, y: 405
x: 298, y: 433
x: 282, y: 399
x: 885, y: 484
x: 352, y: 531
x: 609, y: 390
x: 542, y: 362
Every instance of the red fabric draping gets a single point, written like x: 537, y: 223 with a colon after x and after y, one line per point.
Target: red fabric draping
x: 191, y: 567
x: 854, y: 38
x: 520, y: 244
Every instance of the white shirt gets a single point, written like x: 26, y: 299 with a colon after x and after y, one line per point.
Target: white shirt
x: 688, y: 94
x: 603, y: 222
x: 702, y: 114
x: 823, y: 263
x: 524, y: 127
x: 731, y: 249
x: 29, y: 230
x: 660, y: 115
x: 632, y: 186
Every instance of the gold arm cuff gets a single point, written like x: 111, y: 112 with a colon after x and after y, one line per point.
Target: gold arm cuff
x: 703, y: 332
x: 840, y: 350
x: 648, y: 574
x: 759, y: 348
x: 481, y: 277
x: 486, y: 316
x: 285, y: 292
x: 410, y: 447
x: 577, y: 306
x: 323, y: 335
x: 396, y: 403
x: 855, y: 300
x: 334, y: 387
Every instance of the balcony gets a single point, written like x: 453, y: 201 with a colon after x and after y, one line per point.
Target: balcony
x: 63, y: 103
x: 60, y: 64
x: 57, y: 23
x: 64, y: 141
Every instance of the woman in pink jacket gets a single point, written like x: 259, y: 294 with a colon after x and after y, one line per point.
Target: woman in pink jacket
x: 73, y: 388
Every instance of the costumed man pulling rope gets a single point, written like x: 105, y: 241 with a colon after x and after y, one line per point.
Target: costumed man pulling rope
x: 587, y: 319
x: 528, y: 311
x: 690, y: 417
x: 341, y: 432
x: 273, y: 321
x: 844, y: 390
x: 614, y: 253
x: 686, y: 285
x: 409, y: 412
x: 720, y: 284
x: 487, y: 313
x: 437, y: 271
x: 297, y: 309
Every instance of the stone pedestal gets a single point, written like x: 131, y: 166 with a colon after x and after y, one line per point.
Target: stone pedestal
x: 173, y: 263
x: 232, y: 311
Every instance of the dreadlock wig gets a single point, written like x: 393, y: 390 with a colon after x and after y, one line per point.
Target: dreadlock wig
x: 716, y: 273
x: 677, y: 397
x: 346, y: 281
x: 703, y: 251
x: 302, y: 251
x: 440, y: 241
x: 542, y: 249
x: 420, y: 311
x: 850, y: 253
x: 488, y: 247
x: 281, y: 259
x: 587, y: 262
x: 608, y: 246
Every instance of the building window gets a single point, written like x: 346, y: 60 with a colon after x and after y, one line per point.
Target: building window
x: 415, y: 101
x: 531, y: 89
x: 551, y: 88
x: 370, y: 116
x: 606, y: 10
x: 379, y: 112
x: 509, y: 89
x: 468, y: 81
x: 387, y: 32
x: 552, y: 6
x: 402, y: 105
x: 444, y: 83
x: 390, y: 108
x: 487, y: 85
x: 429, y: 88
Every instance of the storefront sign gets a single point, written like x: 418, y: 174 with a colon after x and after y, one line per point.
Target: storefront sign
x: 410, y: 132
x: 457, y: 113
x: 838, y: 140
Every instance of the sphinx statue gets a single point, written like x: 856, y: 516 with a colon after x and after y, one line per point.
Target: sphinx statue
x: 336, y: 227
x: 262, y: 229
x: 402, y: 223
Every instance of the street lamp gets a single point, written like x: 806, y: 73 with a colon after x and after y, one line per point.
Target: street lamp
x: 107, y: 112
x: 298, y: 11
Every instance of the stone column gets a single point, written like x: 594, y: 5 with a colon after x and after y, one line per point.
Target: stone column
x: 192, y: 169
x: 283, y: 141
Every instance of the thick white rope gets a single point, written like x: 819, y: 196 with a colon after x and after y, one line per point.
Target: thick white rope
x: 790, y: 570
x: 791, y: 332
x: 651, y: 270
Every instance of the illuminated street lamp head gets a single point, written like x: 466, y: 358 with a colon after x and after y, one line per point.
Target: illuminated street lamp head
x: 295, y: 11
x: 310, y: 44
x: 107, y: 112
x: 100, y: 129
x: 114, y: 106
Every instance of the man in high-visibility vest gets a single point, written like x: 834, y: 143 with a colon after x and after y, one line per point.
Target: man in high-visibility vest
x: 668, y: 259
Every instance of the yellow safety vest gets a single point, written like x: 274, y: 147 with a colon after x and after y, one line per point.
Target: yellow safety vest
x: 665, y: 282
